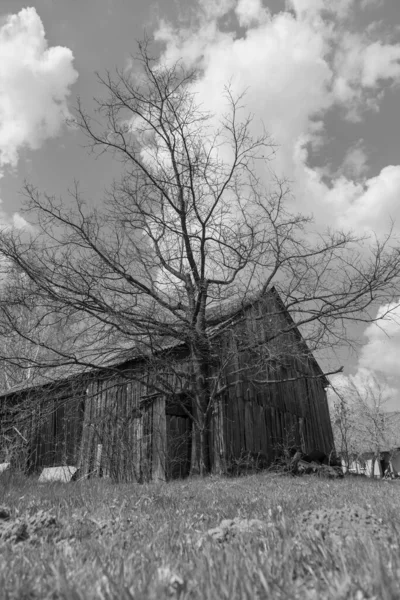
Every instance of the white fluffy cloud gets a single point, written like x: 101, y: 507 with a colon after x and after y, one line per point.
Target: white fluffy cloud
x: 382, y: 350
x: 367, y: 205
x: 35, y: 84
x: 250, y: 11
x: 297, y: 65
x: 378, y: 368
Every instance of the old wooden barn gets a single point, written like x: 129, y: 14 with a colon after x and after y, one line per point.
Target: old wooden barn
x: 132, y: 419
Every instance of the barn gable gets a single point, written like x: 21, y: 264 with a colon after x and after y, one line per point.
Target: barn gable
x: 133, y: 421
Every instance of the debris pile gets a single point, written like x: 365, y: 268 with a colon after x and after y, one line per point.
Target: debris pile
x: 295, y: 462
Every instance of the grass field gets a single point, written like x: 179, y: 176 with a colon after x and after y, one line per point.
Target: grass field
x: 130, y: 541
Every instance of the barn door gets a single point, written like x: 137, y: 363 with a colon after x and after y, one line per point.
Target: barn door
x: 179, y: 436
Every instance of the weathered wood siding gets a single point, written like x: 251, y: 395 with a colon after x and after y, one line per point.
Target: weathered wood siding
x: 50, y: 420
x: 271, y: 395
x: 130, y: 434
x: 118, y: 432
x: 274, y: 392
x: 57, y: 434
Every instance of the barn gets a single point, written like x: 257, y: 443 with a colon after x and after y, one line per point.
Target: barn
x: 132, y: 418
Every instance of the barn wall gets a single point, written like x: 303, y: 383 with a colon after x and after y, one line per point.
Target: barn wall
x: 50, y: 420
x: 256, y: 414
x: 128, y: 434
x: 117, y: 439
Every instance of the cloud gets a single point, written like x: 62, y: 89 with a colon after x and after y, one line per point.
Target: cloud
x: 36, y: 81
x: 374, y: 390
x: 369, y: 4
x: 377, y: 373
x: 309, y: 9
x: 380, y: 61
x: 365, y: 206
x: 249, y: 12
x: 297, y: 66
x: 360, y: 68
x: 18, y: 222
x: 382, y: 350
x: 354, y: 164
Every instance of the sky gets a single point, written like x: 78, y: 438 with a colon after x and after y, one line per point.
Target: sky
x: 323, y: 77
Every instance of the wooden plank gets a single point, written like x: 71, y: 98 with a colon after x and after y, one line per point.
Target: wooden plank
x: 273, y: 427
x: 241, y: 424
x: 172, y: 432
x: 87, y: 434
x: 255, y: 414
x: 295, y: 429
x: 114, y: 446
x: 301, y: 434
x: 131, y: 449
x: 138, y: 434
x: 122, y: 433
x: 236, y: 423
x: 270, y: 450
x: 101, y: 424
x: 311, y: 422
x: 213, y: 439
x: 326, y: 419
x: 289, y: 438
x: 263, y: 431
x: 227, y: 428
x: 313, y: 414
x: 274, y: 391
x: 284, y: 427
x: 121, y: 429
x: 278, y: 426
x: 259, y: 419
x: 263, y: 447
x: 159, y: 440
x: 147, y: 443
x: 249, y: 428
x: 282, y: 387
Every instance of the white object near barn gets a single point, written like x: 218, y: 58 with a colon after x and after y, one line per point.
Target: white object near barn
x: 63, y: 474
x: 373, y: 468
x: 4, y: 467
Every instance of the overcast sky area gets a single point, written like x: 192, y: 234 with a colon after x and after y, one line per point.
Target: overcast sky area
x: 323, y: 76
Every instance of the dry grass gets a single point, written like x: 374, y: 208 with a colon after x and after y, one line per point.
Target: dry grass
x: 114, y: 539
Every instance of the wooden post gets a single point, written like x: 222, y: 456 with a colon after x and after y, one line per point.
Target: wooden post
x: 219, y: 443
x: 159, y: 439
x: 87, y: 436
x: 97, y: 464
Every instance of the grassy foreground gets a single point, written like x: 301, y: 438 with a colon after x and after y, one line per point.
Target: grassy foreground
x: 130, y: 541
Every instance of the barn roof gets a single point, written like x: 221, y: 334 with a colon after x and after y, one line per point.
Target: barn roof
x: 219, y: 317
x: 104, y: 359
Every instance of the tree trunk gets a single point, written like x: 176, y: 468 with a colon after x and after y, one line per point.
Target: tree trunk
x: 200, y: 458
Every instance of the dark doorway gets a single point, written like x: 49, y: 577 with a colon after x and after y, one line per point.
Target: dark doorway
x: 179, y: 443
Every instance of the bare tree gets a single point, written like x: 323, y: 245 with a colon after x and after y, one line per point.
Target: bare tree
x: 360, y: 419
x: 26, y: 331
x: 186, y: 235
